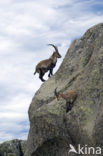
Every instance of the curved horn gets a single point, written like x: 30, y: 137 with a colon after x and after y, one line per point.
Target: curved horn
x: 55, y: 92
x: 55, y: 47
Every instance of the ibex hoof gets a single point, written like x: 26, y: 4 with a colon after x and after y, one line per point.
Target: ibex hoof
x: 43, y: 80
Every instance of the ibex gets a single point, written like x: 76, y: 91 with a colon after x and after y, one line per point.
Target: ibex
x: 47, y: 65
x: 70, y: 97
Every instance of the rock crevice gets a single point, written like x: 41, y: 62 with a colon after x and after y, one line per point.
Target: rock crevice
x: 52, y: 130
x: 13, y: 148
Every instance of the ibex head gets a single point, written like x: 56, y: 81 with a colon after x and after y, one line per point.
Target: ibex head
x: 56, y: 53
x: 57, y: 94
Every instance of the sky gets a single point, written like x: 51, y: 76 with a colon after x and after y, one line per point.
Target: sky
x: 26, y: 27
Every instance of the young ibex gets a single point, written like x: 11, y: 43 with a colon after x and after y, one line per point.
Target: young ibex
x: 70, y: 97
x: 47, y: 65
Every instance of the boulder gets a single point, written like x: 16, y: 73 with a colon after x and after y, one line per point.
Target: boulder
x: 13, y: 148
x: 52, y: 130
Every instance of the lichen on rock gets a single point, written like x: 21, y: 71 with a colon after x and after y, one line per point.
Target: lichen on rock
x: 13, y: 148
x: 51, y: 128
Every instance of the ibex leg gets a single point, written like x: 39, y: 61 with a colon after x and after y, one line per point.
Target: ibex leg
x: 41, y: 74
x: 50, y: 72
x: 68, y: 107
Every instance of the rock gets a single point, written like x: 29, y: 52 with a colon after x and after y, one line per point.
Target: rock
x: 52, y: 130
x: 13, y: 148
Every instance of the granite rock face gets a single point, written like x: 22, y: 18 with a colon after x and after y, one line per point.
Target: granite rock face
x: 52, y: 130
x: 13, y: 148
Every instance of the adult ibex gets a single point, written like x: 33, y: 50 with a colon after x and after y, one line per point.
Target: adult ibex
x: 47, y: 65
x: 70, y: 97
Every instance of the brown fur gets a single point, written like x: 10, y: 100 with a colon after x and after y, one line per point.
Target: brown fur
x: 47, y: 65
x: 69, y: 96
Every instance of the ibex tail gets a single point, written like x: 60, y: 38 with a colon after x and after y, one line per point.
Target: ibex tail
x: 34, y: 72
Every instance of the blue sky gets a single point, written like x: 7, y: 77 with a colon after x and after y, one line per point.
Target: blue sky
x: 26, y: 27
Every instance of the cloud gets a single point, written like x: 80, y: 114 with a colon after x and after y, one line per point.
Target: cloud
x: 26, y: 28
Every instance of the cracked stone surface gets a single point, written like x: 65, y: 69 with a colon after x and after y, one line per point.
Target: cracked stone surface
x: 13, y: 148
x: 51, y: 128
